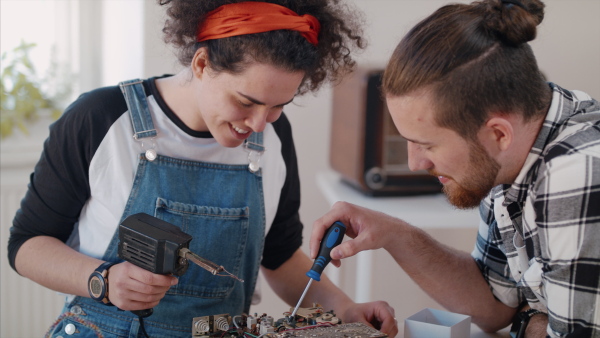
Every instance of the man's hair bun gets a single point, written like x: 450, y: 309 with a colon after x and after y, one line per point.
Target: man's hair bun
x: 513, y: 21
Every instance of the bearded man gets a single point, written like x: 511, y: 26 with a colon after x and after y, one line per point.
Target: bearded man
x: 463, y: 87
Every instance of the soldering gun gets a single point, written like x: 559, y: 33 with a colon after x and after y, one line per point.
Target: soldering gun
x: 160, y: 247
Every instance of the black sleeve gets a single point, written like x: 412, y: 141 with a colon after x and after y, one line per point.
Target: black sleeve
x: 285, y: 234
x: 59, y: 185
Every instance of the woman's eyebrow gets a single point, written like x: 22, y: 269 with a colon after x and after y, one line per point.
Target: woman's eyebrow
x: 255, y: 101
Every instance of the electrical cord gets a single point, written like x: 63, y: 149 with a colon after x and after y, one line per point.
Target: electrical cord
x: 142, y: 328
x: 141, y: 314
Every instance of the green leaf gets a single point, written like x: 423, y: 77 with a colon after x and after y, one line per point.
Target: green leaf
x: 22, y: 127
x: 6, y: 127
x: 23, y: 93
x: 55, y: 113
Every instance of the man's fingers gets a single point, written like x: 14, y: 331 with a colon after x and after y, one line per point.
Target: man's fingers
x: 315, y: 238
x: 338, y: 212
x: 345, y: 250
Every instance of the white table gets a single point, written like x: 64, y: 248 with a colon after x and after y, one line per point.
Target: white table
x: 475, y: 332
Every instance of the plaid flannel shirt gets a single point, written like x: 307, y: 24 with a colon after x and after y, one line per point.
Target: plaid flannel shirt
x: 539, y: 238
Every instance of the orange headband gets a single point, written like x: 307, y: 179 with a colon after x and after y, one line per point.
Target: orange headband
x: 256, y: 17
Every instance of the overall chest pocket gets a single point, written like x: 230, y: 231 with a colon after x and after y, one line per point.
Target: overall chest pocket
x: 219, y: 235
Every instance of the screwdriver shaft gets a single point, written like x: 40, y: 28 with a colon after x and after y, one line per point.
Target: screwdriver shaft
x: 301, y: 298
x: 332, y: 238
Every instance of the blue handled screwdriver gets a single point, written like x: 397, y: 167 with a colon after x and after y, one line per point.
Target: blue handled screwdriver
x: 333, y: 237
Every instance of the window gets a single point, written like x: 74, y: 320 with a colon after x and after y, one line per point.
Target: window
x: 49, y: 25
x: 38, y: 62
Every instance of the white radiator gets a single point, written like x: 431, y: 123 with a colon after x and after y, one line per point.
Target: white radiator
x: 27, y: 309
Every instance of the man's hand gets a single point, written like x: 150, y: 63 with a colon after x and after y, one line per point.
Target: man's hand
x: 133, y: 288
x: 370, y: 230
x: 449, y: 276
x: 289, y: 280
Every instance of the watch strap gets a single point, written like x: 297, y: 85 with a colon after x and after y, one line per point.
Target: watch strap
x: 522, y: 318
x: 98, y: 283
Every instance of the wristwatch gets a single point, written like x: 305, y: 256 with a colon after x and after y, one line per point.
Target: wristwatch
x: 517, y: 330
x: 98, y: 283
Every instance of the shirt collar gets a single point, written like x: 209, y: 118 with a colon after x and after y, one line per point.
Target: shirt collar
x: 561, y: 109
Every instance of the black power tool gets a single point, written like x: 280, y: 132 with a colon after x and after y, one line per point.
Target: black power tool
x: 160, y: 247
x: 153, y: 244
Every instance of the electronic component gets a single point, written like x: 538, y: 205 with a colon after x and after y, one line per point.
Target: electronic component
x: 202, y: 326
x: 221, y: 322
x: 307, y: 323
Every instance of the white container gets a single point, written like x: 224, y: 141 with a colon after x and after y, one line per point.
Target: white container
x: 437, y: 323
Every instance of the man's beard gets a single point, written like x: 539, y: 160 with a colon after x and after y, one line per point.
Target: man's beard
x: 479, y: 180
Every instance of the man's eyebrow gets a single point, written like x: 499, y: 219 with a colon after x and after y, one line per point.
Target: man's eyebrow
x: 255, y: 101
x: 415, y: 141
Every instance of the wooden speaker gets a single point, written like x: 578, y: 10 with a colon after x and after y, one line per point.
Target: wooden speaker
x: 366, y: 148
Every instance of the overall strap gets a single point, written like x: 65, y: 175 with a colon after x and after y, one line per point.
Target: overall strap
x: 135, y: 96
x: 255, y: 142
x: 254, y: 147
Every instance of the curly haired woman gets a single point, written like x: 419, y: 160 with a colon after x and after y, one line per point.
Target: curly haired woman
x: 208, y: 150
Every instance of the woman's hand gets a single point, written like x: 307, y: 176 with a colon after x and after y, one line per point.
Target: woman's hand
x: 379, y: 315
x: 133, y: 288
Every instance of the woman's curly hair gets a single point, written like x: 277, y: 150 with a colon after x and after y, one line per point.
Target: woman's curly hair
x: 328, y: 61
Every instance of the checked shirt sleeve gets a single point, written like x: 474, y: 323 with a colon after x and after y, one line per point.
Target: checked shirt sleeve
x: 567, y: 216
x: 490, y: 259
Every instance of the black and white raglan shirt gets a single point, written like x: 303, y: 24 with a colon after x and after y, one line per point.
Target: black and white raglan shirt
x: 79, y: 188
x: 539, y: 238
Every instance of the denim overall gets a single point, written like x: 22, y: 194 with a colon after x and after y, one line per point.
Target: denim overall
x: 220, y: 205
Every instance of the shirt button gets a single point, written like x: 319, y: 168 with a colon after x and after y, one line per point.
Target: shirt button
x: 70, y: 329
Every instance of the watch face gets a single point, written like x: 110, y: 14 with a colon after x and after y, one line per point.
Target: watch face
x: 96, y: 286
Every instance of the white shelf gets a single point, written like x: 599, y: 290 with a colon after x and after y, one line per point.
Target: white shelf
x: 425, y: 211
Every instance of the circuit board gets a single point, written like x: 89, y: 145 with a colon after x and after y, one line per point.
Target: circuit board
x: 307, y: 323
x: 355, y: 330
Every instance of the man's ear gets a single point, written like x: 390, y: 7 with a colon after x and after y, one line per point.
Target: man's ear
x: 498, y: 132
x: 200, y: 62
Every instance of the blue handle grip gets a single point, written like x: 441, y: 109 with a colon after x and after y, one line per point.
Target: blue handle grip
x: 333, y: 237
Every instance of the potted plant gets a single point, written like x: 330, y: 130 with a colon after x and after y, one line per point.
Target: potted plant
x: 24, y: 96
